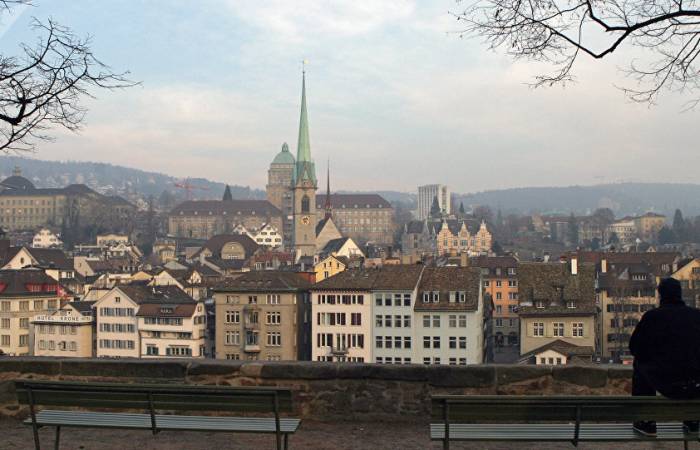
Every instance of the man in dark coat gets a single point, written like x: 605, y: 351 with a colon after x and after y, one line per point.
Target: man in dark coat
x: 666, y: 349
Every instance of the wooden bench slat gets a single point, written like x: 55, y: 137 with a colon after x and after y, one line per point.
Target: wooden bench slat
x: 163, y: 422
x: 555, y: 432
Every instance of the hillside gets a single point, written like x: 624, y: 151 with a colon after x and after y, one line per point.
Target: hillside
x: 111, y: 179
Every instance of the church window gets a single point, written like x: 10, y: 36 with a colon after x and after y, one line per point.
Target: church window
x: 305, y: 204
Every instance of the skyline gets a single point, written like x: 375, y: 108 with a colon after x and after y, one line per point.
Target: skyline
x: 225, y: 116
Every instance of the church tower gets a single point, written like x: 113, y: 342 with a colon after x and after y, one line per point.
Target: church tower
x: 304, y: 186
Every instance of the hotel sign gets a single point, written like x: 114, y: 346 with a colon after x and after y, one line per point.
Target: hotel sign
x: 62, y: 319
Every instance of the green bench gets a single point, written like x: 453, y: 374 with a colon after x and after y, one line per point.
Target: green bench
x: 557, y: 418
x: 152, y: 398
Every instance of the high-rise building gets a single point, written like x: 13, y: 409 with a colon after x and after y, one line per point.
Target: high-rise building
x: 304, y: 187
x: 426, y: 195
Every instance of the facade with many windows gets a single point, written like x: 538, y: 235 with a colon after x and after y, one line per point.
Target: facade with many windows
x: 24, y: 294
x: 67, y: 332
x: 263, y: 315
x: 405, y: 314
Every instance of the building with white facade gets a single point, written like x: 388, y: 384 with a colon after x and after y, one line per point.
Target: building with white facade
x: 46, y: 238
x: 417, y: 314
x: 427, y: 193
x: 131, y: 319
x: 67, y: 332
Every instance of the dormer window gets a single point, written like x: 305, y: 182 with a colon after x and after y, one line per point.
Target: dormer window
x: 426, y: 297
x: 436, y: 296
x: 166, y: 310
x: 539, y: 304
x: 571, y: 304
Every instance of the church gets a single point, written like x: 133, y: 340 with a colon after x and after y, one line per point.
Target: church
x: 291, y: 187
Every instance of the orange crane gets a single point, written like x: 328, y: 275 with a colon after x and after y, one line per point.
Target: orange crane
x: 188, y: 187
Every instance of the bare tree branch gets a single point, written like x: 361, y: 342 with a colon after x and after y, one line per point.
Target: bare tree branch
x: 43, y: 87
x: 558, y: 31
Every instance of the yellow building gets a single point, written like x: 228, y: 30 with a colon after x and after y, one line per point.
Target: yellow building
x: 328, y: 267
x: 649, y: 225
x: 67, y: 332
x: 24, y: 294
x: 689, y: 276
x: 557, y: 302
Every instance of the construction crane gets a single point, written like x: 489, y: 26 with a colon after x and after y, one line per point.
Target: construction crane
x: 188, y: 187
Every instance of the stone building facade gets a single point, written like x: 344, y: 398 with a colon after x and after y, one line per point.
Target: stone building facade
x: 67, y: 332
x: 263, y: 315
x: 363, y: 217
x: 202, y: 219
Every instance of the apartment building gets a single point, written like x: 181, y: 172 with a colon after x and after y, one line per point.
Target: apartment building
x: 399, y: 315
x: 426, y: 196
x: 117, y: 316
x: 557, y: 302
x: 173, y: 327
x: 625, y: 293
x: 451, y: 324
x: 263, y: 315
x: 67, y: 332
x: 500, y: 281
x: 689, y: 276
x: 24, y: 294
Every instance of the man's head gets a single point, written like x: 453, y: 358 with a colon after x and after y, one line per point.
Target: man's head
x: 670, y: 291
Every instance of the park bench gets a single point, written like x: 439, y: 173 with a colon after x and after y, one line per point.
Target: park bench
x: 155, y: 398
x: 557, y: 418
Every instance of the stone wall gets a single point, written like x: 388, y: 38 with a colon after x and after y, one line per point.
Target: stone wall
x: 328, y: 391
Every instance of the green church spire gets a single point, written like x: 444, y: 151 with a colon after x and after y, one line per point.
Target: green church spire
x: 304, y: 165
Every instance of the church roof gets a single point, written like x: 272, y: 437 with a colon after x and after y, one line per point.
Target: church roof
x: 284, y: 156
x: 229, y: 208
x: 18, y: 183
x: 305, y: 169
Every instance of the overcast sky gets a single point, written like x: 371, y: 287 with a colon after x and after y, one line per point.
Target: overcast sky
x: 395, y: 98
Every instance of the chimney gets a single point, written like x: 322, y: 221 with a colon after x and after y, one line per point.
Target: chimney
x: 546, y: 257
x: 603, y: 265
x: 574, y: 265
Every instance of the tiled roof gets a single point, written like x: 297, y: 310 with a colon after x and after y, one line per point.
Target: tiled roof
x: 14, y: 282
x: 334, y: 245
x: 264, y: 281
x: 82, y: 306
x: 554, y: 286
x: 216, y: 243
x: 141, y: 293
x: 449, y: 279
x: 493, y: 262
x: 563, y: 348
x: 400, y: 277
x: 46, y: 257
x: 231, y: 208
x: 353, y: 201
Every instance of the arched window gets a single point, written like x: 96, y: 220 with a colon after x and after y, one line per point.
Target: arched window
x: 305, y: 204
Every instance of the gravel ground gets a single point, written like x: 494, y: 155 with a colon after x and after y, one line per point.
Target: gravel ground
x: 312, y: 435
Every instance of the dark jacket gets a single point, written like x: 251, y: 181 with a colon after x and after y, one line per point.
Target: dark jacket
x: 667, y: 340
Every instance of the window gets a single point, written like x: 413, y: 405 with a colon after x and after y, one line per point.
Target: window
x: 378, y: 299
x: 407, y: 321
x: 379, y: 342
x: 397, y: 321
x: 436, y: 341
x: 436, y: 321
x: 24, y: 323
x: 577, y: 329
x: 274, y: 339
x: 233, y: 317
x: 426, y: 321
x: 273, y: 299
x: 538, y: 329
x: 452, y: 321
x: 426, y: 360
x: 406, y: 299
x: 356, y: 319
x: 5, y: 340
x: 453, y: 342
x: 558, y: 328
x: 463, y: 342
x: 273, y: 317
x: 426, y: 341
x: 463, y: 321
x: 305, y: 204
x: 499, y: 296
x: 498, y: 283
x: 24, y: 305
x: 151, y: 350
x: 5, y: 323
x: 407, y: 342
x: 23, y: 340
x: 499, y: 322
x: 233, y: 338
x: 387, y: 321
x: 512, y: 283
x: 378, y: 319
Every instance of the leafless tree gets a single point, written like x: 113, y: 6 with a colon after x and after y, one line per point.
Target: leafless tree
x: 43, y: 86
x: 559, y: 31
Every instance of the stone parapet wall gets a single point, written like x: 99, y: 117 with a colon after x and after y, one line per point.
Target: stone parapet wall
x: 328, y: 391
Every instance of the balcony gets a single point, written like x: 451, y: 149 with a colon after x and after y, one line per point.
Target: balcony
x: 251, y: 348
x: 339, y: 351
x: 251, y: 325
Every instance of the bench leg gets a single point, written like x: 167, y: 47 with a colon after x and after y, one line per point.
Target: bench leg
x: 58, y: 438
x: 35, y: 429
x: 446, y: 444
x: 286, y: 441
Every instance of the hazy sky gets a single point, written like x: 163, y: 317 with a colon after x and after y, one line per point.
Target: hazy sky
x: 395, y: 98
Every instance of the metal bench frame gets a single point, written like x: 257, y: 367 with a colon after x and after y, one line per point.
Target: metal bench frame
x: 457, y: 411
x: 135, y: 396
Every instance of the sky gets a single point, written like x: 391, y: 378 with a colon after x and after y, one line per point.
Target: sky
x: 396, y: 98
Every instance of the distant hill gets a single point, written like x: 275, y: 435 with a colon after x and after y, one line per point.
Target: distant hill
x: 115, y: 180
x: 622, y: 198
